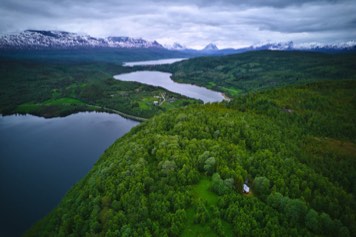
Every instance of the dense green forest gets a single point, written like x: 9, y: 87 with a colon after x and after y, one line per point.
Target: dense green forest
x: 181, y: 173
x: 52, y: 88
x: 258, y: 70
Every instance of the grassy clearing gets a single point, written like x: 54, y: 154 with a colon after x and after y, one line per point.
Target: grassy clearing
x: 27, y: 108
x: 231, y: 91
x: 54, y: 107
x: 343, y: 148
x: 201, y: 191
x: 63, y: 101
x: 146, y: 103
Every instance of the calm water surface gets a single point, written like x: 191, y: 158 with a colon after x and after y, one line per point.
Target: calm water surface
x: 164, y: 80
x: 40, y: 159
x: 154, y: 62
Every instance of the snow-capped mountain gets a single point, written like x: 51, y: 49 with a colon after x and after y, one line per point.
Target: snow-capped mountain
x: 348, y: 45
x: 127, y: 42
x: 210, y: 47
x: 175, y: 46
x: 60, y: 39
x: 285, y: 46
x: 274, y: 46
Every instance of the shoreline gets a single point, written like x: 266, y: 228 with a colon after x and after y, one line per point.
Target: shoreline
x: 95, y: 108
x: 128, y: 116
x: 226, y: 98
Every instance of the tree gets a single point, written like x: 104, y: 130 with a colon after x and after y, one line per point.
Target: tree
x: 326, y: 223
x: 275, y: 200
x: 295, y: 210
x: 168, y: 166
x: 219, y: 186
x: 312, y: 221
x: 209, y: 165
x: 261, y: 186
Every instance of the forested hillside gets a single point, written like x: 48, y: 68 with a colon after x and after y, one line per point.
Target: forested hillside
x: 253, y: 71
x: 181, y: 173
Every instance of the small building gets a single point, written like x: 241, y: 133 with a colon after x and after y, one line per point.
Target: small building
x: 155, y: 103
x: 246, y: 189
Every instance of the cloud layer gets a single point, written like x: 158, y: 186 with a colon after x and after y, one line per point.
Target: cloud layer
x: 195, y: 23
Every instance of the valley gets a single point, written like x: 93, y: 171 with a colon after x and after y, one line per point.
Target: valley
x: 288, y: 132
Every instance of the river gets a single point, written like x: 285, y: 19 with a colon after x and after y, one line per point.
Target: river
x: 42, y: 158
x: 154, y: 62
x: 163, y: 79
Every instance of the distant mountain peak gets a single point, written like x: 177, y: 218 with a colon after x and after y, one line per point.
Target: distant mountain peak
x: 175, y: 46
x: 275, y: 46
x: 210, y: 47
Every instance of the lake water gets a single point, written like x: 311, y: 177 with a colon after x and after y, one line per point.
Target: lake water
x: 42, y: 158
x: 164, y: 80
x: 154, y: 62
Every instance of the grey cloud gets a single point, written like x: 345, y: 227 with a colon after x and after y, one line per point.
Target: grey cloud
x: 278, y: 3
x: 245, y: 3
x: 18, y: 6
x: 229, y: 23
x: 311, y: 18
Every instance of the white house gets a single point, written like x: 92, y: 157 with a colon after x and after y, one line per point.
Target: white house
x: 246, y: 188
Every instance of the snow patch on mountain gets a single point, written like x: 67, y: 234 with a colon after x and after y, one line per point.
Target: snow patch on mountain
x: 316, y: 45
x: 210, y: 47
x: 127, y: 42
x: 175, y: 46
x: 62, y: 39
x: 274, y: 46
x: 304, y: 46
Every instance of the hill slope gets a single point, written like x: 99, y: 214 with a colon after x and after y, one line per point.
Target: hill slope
x: 251, y: 71
x: 181, y: 173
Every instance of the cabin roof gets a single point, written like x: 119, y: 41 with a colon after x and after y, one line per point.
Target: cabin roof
x: 246, y: 188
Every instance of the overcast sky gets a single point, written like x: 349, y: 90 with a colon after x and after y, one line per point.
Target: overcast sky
x: 194, y: 23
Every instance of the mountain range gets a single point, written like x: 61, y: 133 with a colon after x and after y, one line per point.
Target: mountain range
x: 38, y: 39
x: 41, y: 39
